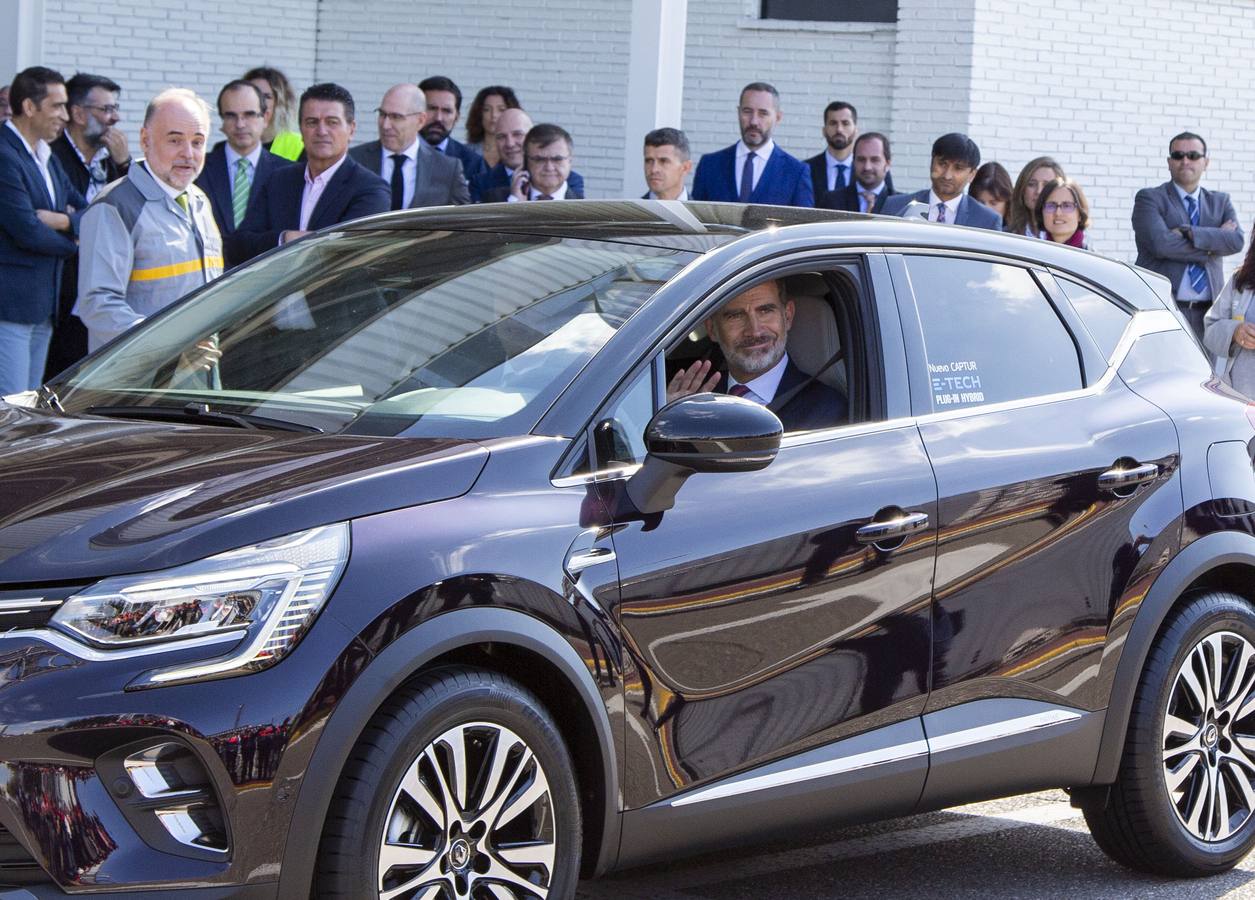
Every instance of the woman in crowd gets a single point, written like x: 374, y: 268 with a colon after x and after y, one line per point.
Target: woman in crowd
x: 991, y: 185
x: 1026, y: 193
x: 1063, y: 213
x: 481, y: 120
x: 1226, y: 331
x: 281, y: 136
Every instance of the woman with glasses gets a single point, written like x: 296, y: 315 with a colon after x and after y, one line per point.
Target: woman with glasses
x: 281, y: 136
x: 1027, y: 190
x: 1063, y: 213
x: 1228, y: 331
x: 481, y: 120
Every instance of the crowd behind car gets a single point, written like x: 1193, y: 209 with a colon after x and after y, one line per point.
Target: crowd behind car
x: 93, y: 241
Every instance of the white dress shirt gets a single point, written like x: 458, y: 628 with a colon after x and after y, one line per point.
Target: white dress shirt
x: 533, y: 194
x: 833, y: 162
x: 761, y: 155
x: 1185, y: 290
x: 684, y: 193
x: 313, y: 190
x: 41, y: 153
x: 409, y: 170
x: 763, y: 388
x: 952, y: 207
x: 233, y: 158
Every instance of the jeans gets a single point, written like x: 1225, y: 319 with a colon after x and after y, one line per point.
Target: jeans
x: 23, y: 351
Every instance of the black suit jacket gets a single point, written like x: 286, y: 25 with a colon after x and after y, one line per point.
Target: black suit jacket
x: 502, y: 194
x: 215, y: 181
x: 352, y: 193
x: 812, y: 407
x: 497, y: 177
x: 826, y: 199
x: 847, y: 198
x: 438, y: 180
x: 80, y: 177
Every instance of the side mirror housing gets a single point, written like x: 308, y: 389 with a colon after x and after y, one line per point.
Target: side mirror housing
x: 702, y: 433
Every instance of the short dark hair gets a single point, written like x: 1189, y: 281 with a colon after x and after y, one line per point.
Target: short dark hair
x: 441, y: 83
x: 669, y: 137
x: 1078, y: 196
x: 240, y: 84
x: 837, y: 105
x: 875, y: 135
x: 761, y: 86
x: 1188, y: 136
x: 546, y: 133
x: 991, y: 178
x: 328, y: 90
x: 957, y: 147
x: 82, y: 84
x: 32, y: 84
x: 475, y: 115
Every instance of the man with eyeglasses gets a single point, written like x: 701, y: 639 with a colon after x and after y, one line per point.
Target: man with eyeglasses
x: 237, y: 169
x: 1183, y: 230
x: 547, y: 156
x: 417, y: 174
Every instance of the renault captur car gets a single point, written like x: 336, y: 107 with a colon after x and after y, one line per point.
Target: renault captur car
x: 393, y: 564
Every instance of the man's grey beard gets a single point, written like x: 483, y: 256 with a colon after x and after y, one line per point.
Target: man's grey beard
x: 756, y: 362
x: 94, y: 131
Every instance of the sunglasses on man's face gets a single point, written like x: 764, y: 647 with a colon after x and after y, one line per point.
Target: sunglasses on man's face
x: 1191, y: 155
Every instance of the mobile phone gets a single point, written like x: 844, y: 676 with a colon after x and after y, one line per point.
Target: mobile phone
x: 525, y: 183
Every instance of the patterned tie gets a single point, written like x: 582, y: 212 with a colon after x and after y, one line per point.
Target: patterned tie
x: 841, y: 167
x: 738, y: 390
x: 747, y: 178
x: 941, y: 212
x: 182, y: 201
x: 1196, y: 273
x: 544, y: 197
x: 869, y: 200
x: 239, y: 193
x: 398, y: 180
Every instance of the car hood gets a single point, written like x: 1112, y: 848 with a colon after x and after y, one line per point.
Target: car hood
x: 83, y: 498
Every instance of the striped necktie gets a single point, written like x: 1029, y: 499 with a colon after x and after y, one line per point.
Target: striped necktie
x: 239, y: 193
x: 1196, y: 273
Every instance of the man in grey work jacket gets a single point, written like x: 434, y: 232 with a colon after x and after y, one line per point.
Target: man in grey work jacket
x: 150, y: 238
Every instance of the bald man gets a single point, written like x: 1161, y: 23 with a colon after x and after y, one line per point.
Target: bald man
x: 417, y: 174
x: 150, y: 237
x: 493, y: 186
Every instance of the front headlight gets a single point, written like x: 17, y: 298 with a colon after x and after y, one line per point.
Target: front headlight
x: 269, y: 593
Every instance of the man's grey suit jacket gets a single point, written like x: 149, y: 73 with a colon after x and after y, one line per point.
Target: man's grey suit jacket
x: 439, y: 180
x: 1158, y: 210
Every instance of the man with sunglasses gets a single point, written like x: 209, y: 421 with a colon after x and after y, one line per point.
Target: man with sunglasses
x: 1183, y: 230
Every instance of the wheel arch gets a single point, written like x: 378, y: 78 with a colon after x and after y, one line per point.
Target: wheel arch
x: 464, y: 636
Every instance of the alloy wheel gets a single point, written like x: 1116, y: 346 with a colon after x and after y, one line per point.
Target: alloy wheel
x: 473, y: 819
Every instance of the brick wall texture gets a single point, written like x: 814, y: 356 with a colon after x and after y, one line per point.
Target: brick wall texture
x: 1099, y: 84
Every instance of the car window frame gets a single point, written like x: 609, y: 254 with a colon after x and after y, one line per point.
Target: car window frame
x: 1124, y: 306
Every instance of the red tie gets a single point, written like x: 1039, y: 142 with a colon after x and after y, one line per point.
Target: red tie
x: 738, y: 390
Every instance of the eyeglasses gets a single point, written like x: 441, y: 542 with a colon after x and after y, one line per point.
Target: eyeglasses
x: 1191, y: 155
x: 109, y: 109
x: 546, y: 160
x: 1050, y: 207
x: 394, y: 118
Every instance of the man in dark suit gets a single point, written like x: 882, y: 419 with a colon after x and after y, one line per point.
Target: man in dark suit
x: 236, y: 171
x: 1184, y: 230
x: 330, y: 188
x: 444, y: 107
x: 548, y: 152
x: 417, y: 175
x: 955, y: 158
x: 493, y: 185
x: 94, y: 153
x: 39, y: 215
x: 871, y: 186
x: 667, y: 164
x: 754, y: 169
x: 833, y: 171
x: 752, y: 330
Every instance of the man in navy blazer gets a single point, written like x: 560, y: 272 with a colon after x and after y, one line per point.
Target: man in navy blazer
x: 872, y: 184
x: 444, y: 108
x: 773, y: 175
x: 39, y: 214
x: 240, y: 160
x: 330, y: 188
x: 493, y: 185
x: 955, y: 158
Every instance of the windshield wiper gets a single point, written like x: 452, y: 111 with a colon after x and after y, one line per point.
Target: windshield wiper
x: 200, y: 413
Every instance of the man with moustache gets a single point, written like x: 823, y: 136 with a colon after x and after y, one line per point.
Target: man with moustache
x: 667, y: 164
x: 150, y: 238
x: 871, y: 186
x: 443, y: 99
x: 417, y: 175
x: 236, y: 170
x: 832, y: 171
x: 754, y: 169
x: 40, y: 213
x: 752, y: 330
x: 955, y: 158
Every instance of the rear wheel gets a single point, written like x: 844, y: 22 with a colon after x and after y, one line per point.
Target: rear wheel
x: 1184, y: 801
x: 459, y: 789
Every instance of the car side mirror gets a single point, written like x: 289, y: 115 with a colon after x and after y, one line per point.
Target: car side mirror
x: 702, y: 433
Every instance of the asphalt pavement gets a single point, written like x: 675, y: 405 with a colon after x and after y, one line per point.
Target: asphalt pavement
x: 1033, y: 846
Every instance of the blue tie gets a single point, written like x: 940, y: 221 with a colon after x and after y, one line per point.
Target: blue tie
x: 840, y: 183
x: 1194, y: 272
x: 747, y: 178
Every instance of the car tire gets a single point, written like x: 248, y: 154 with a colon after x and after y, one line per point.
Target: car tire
x: 1183, y: 804
x: 460, y: 785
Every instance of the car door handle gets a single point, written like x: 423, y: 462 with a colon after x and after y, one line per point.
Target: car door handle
x: 1121, y: 478
x: 875, y: 532
x: 583, y: 559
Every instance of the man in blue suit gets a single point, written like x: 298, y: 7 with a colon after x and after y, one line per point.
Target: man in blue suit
x: 754, y: 169
x: 955, y: 159
x: 444, y: 107
x: 237, y: 169
x: 39, y: 214
x: 330, y: 188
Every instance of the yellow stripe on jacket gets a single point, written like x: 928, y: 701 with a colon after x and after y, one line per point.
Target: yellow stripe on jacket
x: 174, y: 270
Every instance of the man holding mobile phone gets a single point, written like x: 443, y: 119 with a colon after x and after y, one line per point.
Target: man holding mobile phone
x: 547, y: 154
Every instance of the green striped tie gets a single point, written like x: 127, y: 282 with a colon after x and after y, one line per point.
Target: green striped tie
x: 239, y: 193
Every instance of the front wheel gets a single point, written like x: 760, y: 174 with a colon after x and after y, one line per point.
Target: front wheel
x: 461, y: 788
x: 1184, y: 801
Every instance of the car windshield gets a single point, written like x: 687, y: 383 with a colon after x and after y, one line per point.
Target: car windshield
x: 445, y: 334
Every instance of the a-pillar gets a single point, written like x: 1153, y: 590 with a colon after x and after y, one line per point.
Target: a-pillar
x: 655, y: 85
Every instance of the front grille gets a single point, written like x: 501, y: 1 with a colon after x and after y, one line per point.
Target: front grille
x: 31, y: 607
x: 16, y: 865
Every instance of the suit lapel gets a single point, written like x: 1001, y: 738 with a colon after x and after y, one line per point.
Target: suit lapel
x: 769, y: 174
x: 32, y: 171
x: 333, y: 197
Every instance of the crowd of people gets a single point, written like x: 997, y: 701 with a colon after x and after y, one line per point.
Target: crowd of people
x: 92, y: 241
